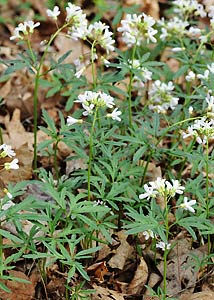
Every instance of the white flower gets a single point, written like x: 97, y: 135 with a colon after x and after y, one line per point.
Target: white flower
x: 31, y: 25
x: 186, y: 8
x: 173, y: 27
x: 202, y: 129
x: 53, y: 13
x: 79, y: 73
x: 71, y: 120
x: 188, y: 205
x: 9, y: 195
x: 91, y: 100
x: 149, y: 192
x: 100, y: 33
x: 163, y: 246
x: 174, y: 188
x: 137, y: 28
x: 23, y: 28
x: 190, y: 76
x: 205, y: 76
x: 148, y: 234
x: 161, y: 187
x: 178, y: 49
x: 190, y: 110
x: 7, y: 151
x: 115, y: 115
x: 12, y: 165
x: 161, y: 98
x: 16, y: 35
x: 210, y: 101
x: 78, y: 22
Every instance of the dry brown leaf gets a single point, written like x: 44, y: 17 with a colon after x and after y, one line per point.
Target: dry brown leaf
x: 106, y: 294
x: 205, y: 295
x: 140, y: 278
x: 99, y: 270
x: 122, y: 253
x: 180, y: 272
x: 19, y: 290
x: 17, y: 135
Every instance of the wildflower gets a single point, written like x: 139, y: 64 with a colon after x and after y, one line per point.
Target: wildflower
x: 188, y: 205
x: 177, y: 49
x: 7, y: 151
x: 148, y: 234
x: 71, y: 120
x: 161, y: 98
x: 77, y: 21
x: 53, y: 13
x: 115, y: 115
x: 173, y: 27
x: 205, y: 76
x: 149, y: 192
x: 12, y: 165
x: 100, y: 33
x: 174, y: 188
x: 190, y: 76
x: 31, y: 25
x: 136, y: 29
x: 185, y: 8
x: 190, y: 110
x: 163, y: 246
x: 210, y: 101
x: 161, y: 187
x: 92, y: 100
x: 9, y: 195
x: 24, y: 28
x: 202, y: 130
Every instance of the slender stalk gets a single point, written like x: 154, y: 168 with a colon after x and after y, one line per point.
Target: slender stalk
x: 91, y: 154
x: 207, y: 192
x: 36, y: 88
x: 1, y: 136
x: 55, y: 160
x: 93, y: 65
x: 130, y: 88
x: 1, y: 255
x: 166, y: 250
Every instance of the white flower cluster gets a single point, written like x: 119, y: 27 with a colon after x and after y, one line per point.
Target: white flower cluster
x: 6, y: 151
x: 136, y: 29
x: 77, y: 22
x: 100, y: 32
x: 161, y: 98
x: 161, y: 245
x: 24, y: 29
x: 161, y: 187
x: 173, y: 27
x: 79, y: 29
x: 187, y: 8
x: 202, y: 130
x: 92, y: 101
x: 206, y: 75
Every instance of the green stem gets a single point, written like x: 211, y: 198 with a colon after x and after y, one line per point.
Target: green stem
x: 55, y: 160
x: 1, y: 136
x: 207, y: 192
x: 1, y: 255
x: 91, y: 154
x: 166, y: 250
x: 93, y: 65
x: 130, y: 88
x: 36, y: 88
